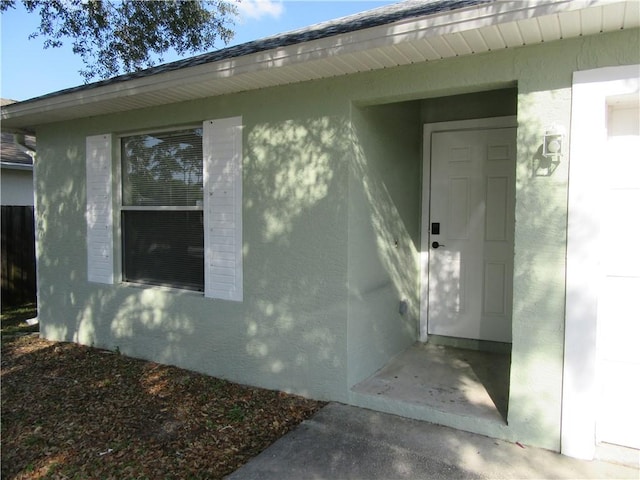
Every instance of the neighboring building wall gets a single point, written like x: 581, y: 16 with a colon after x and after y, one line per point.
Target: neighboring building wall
x: 16, y: 187
x: 18, y: 248
x: 323, y: 208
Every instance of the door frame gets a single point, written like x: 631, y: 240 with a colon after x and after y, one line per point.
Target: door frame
x: 591, y: 90
x: 428, y: 129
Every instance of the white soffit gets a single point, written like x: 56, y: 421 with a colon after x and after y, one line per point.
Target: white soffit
x: 477, y: 29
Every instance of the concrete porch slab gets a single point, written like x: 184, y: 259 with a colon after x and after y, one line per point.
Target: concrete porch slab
x: 452, y: 380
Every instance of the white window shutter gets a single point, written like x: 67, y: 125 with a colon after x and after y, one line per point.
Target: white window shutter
x: 222, y: 172
x: 99, y: 213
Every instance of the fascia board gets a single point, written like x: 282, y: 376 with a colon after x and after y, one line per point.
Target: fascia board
x: 16, y: 166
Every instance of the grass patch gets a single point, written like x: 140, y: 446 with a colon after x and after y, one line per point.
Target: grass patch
x: 14, y: 319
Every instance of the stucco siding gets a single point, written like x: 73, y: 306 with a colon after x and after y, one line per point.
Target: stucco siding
x: 384, y: 232
x: 331, y: 214
x: 542, y: 76
x: 290, y: 331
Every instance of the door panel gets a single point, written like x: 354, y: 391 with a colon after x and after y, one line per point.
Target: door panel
x: 496, y: 217
x: 472, y: 199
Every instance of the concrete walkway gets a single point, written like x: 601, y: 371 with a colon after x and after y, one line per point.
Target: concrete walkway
x: 343, y: 442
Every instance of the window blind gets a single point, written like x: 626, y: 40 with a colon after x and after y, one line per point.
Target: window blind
x: 162, y: 169
x: 164, y: 248
x: 162, y: 219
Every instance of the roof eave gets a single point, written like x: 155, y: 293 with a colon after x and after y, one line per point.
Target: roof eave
x: 16, y: 166
x: 230, y: 75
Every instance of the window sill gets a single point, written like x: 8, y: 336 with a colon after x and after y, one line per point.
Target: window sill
x: 162, y: 288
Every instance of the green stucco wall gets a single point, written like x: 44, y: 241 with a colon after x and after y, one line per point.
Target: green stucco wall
x: 290, y: 331
x: 542, y: 76
x: 384, y: 235
x: 331, y: 184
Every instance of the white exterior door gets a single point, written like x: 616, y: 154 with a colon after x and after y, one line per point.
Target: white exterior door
x: 470, y: 227
x: 618, y: 366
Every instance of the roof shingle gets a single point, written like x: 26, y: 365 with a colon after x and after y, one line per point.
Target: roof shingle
x: 368, y: 19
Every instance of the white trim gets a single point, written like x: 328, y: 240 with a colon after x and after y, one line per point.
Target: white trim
x: 160, y: 208
x: 118, y: 248
x: 99, y: 209
x: 590, y: 93
x: 428, y: 130
x: 222, y: 190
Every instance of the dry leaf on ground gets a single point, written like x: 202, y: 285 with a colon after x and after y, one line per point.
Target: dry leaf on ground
x: 70, y: 411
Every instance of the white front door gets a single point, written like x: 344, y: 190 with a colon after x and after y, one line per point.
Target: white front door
x: 618, y: 354
x: 470, y: 227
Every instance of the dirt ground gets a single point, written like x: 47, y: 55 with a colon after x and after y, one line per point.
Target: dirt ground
x: 70, y: 411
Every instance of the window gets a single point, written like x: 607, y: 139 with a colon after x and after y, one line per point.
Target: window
x: 162, y: 209
x: 180, y: 215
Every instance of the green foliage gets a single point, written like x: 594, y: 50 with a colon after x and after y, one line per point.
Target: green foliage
x: 236, y: 414
x: 14, y: 319
x: 114, y: 37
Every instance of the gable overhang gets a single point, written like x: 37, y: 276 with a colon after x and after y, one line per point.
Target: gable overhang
x: 16, y: 166
x: 465, y: 31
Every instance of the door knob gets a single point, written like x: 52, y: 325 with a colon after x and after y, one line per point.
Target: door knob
x: 436, y: 245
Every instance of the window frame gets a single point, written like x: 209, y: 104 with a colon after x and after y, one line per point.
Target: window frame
x: 223, y: 205
x: 119, y: 208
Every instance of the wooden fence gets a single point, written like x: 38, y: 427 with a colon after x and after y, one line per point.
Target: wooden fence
x: 18, y: 256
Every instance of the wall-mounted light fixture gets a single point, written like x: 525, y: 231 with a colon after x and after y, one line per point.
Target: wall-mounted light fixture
x: 553, y: 142
x: 549, y: 154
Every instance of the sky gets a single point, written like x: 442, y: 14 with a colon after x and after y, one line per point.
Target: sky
x: 27, y: 70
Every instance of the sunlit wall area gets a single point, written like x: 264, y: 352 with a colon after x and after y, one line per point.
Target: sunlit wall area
x: 289, y: 332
